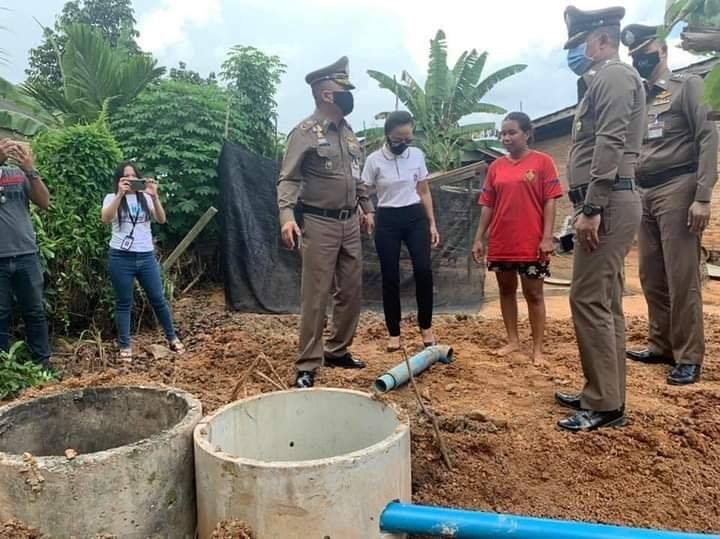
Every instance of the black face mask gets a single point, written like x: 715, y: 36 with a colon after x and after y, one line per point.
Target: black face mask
x: 645, y: 63
x: 344, y: 101
x: 397, y: 147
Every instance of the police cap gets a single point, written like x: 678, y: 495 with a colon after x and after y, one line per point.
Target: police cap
x: 580, y: 23
x: 337, y: 72
x: 636, y: 36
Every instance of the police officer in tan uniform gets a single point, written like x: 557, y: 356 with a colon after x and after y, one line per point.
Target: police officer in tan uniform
x: 606, y: 138
x: 676, y: 173
x: 320, y: 181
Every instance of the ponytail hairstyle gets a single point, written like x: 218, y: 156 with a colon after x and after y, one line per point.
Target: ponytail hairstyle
x: 124, y: 208
x: 524, y: 122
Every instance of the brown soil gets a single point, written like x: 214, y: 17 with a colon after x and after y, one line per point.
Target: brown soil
x: 12, y: 529
x: 232, y: 530
x: 497, y: 414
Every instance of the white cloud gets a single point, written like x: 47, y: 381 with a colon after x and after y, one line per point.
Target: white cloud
x: 167, y: 26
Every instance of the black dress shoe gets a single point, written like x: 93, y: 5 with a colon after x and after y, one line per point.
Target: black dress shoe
x: 569, y: 401
x: 344, y: 362
x: 646, y: 356
x: 305, y: 379
x: 684, y: 374
x: 587, y: 420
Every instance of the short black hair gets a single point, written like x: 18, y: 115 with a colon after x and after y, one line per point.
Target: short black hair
x: 613, y: 33
x: 396, y: 119
x: 523, y: 121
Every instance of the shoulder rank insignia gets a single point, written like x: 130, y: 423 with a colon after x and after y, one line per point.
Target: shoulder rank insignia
x: 662, y: 98
x: 307, y: 124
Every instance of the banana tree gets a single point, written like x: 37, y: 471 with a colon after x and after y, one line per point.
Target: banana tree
x: 448, y: 96
x: 96, y: 76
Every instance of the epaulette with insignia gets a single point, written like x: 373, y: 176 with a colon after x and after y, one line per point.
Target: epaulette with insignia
x: 680, y: 77
x: 308, y: 124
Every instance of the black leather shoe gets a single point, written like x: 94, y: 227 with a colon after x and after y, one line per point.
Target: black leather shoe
x: 344, y: 362
x: 569, y: 401
x: 305, y: 379
x: 587, y: 420
x: 646, y: 356
x: 684, y: 374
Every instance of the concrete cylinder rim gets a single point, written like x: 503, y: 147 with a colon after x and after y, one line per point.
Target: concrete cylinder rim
x: 194, y: 407
x: 201, y: 440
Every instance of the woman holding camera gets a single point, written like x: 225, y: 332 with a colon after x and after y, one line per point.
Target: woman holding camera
x: 132, y: 252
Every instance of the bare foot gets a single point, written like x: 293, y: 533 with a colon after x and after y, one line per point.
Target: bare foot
x: 393, y: 343
x: 508, y: 349
x: 538, y: 359
x: 428, y: 337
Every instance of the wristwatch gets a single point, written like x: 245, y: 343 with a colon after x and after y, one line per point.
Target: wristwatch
x: 32, y: 174
x: 590, y: 210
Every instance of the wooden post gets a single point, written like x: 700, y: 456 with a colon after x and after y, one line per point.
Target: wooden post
x: 189, y: 238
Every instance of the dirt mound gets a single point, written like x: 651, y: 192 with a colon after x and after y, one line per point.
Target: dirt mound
x: 497, y: 414
x: 232, y: 530
x: 12, y: 529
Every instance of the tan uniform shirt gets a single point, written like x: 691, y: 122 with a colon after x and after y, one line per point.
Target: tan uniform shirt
x: 679, y: 133
x: 608, y: 129
x: 321, y: 168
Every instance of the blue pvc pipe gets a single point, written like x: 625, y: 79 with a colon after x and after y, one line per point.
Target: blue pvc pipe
x: 399, y: 374
x: 442, y: 522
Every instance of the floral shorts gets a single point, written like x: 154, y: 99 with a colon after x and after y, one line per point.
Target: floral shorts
x: 531, y: 270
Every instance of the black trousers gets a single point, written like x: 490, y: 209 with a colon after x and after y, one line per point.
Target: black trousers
x: 409, y: 225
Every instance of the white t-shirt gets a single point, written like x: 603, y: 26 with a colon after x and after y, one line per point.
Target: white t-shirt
x: 143, y: 241
x: 395, y: 177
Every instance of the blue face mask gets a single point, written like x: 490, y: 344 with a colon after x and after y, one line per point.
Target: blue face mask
x: 577, y: 61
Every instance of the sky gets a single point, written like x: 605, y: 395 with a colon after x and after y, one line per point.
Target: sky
x: 384, y: 35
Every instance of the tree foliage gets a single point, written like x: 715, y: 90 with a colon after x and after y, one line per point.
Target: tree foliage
x: 96, y: 76
x: 183, y: 74
x: 18, y: 372
x: 114, y: 18
x: 77, y: 164
x: 175, y: 131
x: 252, y: 78
x: 448, y: 96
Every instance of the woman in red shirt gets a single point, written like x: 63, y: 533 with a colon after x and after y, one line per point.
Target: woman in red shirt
x: 518, y: 211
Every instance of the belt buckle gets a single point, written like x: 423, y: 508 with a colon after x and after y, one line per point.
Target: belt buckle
x: 344, y: 215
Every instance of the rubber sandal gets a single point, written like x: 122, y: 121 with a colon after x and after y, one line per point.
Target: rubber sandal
x: 177, y: 347
x: 390, y: 349
x: 125, y: 355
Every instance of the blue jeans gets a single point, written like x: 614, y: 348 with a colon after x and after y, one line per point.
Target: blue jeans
x: 124, y: 267
x: 22, y: 277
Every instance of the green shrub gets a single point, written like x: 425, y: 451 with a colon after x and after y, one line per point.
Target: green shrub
x: 77, y: 164
x: 175, y: 131
x: 17, y: 372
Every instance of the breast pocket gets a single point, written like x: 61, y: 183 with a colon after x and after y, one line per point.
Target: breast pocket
x: 327, y: 160
x: 584, y: 123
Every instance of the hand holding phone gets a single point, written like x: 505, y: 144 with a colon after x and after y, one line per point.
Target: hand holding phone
x: 137, y: 184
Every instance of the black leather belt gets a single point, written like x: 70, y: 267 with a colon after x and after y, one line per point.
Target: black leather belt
x: 341, y: 215
x: 577, y: 194
x: 659, y: 178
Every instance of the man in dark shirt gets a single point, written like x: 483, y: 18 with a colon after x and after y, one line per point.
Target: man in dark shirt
x: 20, y: 272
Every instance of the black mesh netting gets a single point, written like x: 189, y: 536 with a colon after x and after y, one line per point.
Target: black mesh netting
x: 261, y: 275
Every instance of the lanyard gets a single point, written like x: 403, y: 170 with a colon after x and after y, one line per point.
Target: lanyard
x: 134, y: 220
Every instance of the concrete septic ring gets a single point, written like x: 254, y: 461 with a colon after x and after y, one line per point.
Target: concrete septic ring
x: 131, y: 477
x: 315, y: 463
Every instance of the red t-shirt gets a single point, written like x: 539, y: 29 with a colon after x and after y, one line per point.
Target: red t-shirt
x: 518, y: 191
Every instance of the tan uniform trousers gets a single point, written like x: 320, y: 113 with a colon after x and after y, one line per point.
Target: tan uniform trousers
x: 670, y: 271
x: 331, y: 263
x: 596, y: 303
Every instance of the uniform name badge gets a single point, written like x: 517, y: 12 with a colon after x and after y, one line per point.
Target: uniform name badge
x: 127, y: 243
x: 655, y: 128
x: 355, y: 169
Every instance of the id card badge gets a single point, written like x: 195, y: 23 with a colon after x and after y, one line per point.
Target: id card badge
x: 655, y: 128
x: 127, y: 243
x: 355, y: 169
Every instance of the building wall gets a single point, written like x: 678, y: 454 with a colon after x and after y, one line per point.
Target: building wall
x: 558, y: 148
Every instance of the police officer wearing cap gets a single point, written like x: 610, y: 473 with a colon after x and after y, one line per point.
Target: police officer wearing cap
x: 320, y: 181
x: 676, y: 173
x: 606, y: 138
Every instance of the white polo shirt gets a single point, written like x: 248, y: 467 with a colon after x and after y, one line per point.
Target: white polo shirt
x: 395, y: 177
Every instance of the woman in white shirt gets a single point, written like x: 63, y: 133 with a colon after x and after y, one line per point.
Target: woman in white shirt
x: 404, y: 215
x: 132, y: 253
